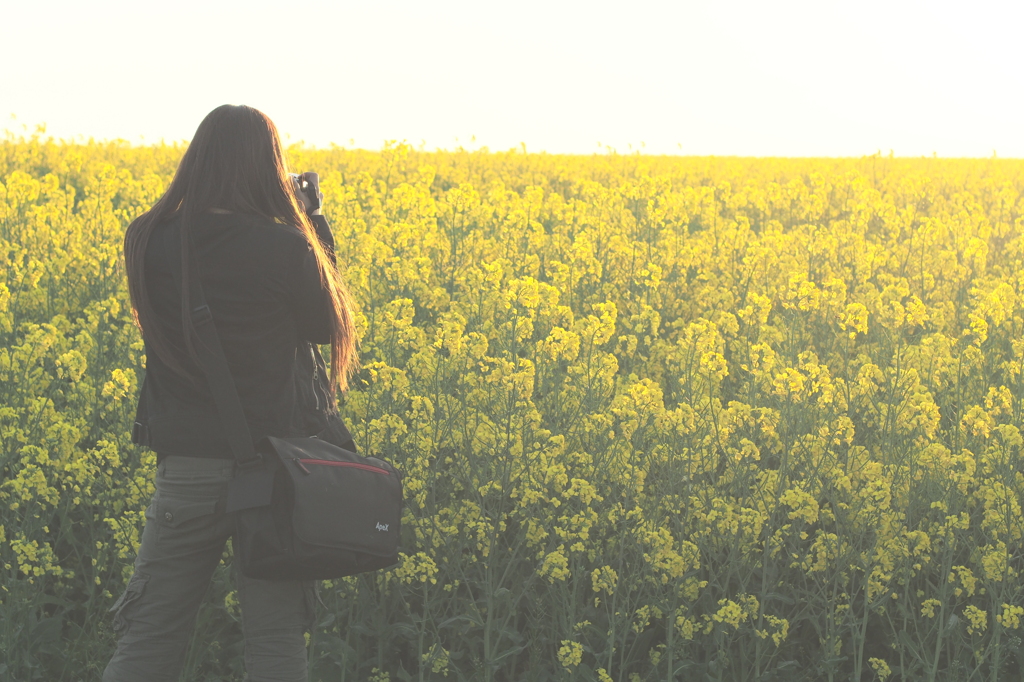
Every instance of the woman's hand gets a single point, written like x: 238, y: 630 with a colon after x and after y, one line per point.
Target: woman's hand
x: 312, y: 182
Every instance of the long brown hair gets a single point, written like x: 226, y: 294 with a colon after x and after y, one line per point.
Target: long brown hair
x: 233, y: 163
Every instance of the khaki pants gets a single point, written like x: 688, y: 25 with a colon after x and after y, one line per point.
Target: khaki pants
x: 182, y: 544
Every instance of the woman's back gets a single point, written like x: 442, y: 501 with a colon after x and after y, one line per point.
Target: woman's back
x: 263, y: 288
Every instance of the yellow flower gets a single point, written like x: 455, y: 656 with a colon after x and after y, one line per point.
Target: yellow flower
x: 855, y: 319
x: 686, y: 627
x: 967, y: 580
x: 1010, y: 616
x: 789, y: 383
x: 880, y: 667
x: 803, y: 505
x: 977, y: 620
x: 570, y: 654
x: 417, y: 568
x: 604, y: 580
x: 437, y: 658
x: 733, y: 613
x: 555, y: 565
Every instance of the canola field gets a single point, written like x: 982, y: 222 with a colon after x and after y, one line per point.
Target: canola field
x: 659, y: 418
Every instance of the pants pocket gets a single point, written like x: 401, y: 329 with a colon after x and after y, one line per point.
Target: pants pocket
x: 124, y: 607
x: 175, y: 512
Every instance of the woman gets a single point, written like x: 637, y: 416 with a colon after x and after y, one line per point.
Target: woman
x: 269, y: 277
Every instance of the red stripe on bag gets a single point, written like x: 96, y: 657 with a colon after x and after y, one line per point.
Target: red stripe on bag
x: 357, y: 465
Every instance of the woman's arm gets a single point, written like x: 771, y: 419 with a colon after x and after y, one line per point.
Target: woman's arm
x: 311, y: 304
x: 323, y: 231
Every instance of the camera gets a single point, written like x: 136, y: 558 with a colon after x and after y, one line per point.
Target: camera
x: 309, y: 189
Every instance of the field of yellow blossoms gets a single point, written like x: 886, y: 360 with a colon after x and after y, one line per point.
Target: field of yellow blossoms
x: 660, y: 418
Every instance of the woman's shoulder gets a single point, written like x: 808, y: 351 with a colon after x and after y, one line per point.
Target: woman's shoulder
x: 233, y: 236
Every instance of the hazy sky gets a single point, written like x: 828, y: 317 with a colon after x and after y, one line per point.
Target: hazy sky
x: 750, y: 77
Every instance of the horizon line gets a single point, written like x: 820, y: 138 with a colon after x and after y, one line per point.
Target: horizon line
x: 40, y: 134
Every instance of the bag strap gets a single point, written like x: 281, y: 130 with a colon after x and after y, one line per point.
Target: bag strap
x: 211, y: 358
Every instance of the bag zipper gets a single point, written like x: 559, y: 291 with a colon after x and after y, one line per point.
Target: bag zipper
x: 301, y: 463
x: 316, y: 377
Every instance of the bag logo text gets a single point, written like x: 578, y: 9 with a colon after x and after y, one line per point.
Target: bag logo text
x: 382, y: 526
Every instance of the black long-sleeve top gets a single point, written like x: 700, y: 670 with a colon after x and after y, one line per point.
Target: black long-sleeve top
x: 263, y: 288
